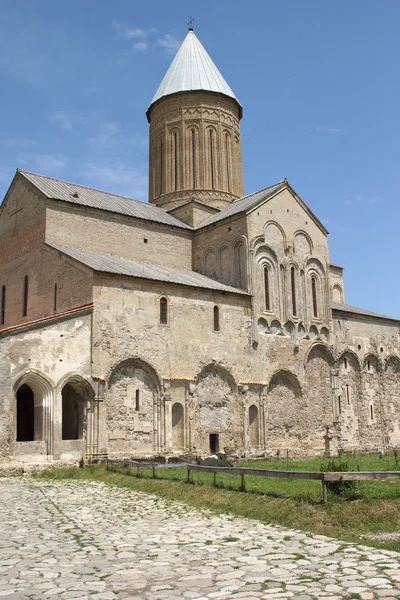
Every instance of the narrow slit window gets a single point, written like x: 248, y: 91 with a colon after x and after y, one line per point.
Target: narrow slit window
x: 216, y: 318
x: 345, y: 363
x: 212, y: 174
x: 293, y: 288
x: 55, y: 298
x: 175, y: 160
x: 267, y: 298
x: 25, y: 297
x: 193, y: 159
x: 3, y: 305
x: 161, y: 166
x: 347, y: 393
x: 137, y: 400
x: 371, y: 412
x: 314, y: 296
x: 340, y: 405
x: 163, y: 311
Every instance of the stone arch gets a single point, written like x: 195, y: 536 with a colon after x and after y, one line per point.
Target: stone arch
x: 178, y: 426
x: 77, y: 396
x: 275, y: 236
x: 133, y: 407
x: 337, y: 294
x: 371, y: 364
x: 224, y: 263
x: 392, y: 363
x: 286, y: 413
x: 315, y: 270
x: 240, y: 263
x: 348, y: 360
x: 210, y: 263
x: 319, y: 394
x: 217, y: 415
x: 33, y: 407
x: 193, y: 156
x: 302, y: 244
x: 266, y: 259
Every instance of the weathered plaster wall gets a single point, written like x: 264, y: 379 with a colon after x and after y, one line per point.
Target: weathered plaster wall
x: 45, y: 358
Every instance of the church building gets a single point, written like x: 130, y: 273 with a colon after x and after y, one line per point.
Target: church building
x: 201, y: 321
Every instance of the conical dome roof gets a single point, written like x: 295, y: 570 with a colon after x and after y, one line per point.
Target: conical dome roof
x: 192, y: 69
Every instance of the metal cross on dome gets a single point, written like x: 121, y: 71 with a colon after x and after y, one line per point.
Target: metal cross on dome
x: 190, y: 24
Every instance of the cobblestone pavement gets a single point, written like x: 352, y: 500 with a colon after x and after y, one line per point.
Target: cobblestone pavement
x: 88, y: 540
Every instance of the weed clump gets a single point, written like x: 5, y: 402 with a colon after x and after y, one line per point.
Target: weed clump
x: 338, y: 487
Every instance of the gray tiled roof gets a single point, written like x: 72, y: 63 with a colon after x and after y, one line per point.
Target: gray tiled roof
x: 359, y: 311
x: 243, y: 204
x: 192, y: 69
x: 108, y: 263
x: 332, y: 264
x: 86, y: 196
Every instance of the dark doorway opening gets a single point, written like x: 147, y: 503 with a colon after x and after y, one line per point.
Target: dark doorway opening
x: 25, y: 414
x: 72, y: 413
x: 214, y: 443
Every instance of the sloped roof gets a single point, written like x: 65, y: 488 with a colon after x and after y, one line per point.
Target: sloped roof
x: 108, y: 263
x: 360, y: 311
x: 192, y: 69
x: 243, y: 204
x: 332, y: 264
x: 85, y: 196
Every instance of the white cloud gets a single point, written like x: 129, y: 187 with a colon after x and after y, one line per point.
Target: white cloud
x: 141, y: 46
x: 66, y: 119
x: 117, y: 177
x: 18, y: 143
x: 331, y: 130
x: 109, y: 134
x: 169, y: 43
x: 45, y: 163
x: 127, y: 32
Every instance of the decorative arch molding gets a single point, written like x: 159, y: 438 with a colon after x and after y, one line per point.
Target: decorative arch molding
x: 79, y: 382
x: 299, y: 233
x: 323, y: 349
x: 392, y: 359
x: 288, y: 376
x: 36, y: 378
x: 210, y: 262
x: 312, y: 263
x: 139, y: 363
x: 255, y: 242
x: 215, y: 369
x: 264, y: 251
x: 353, y: 356
x: 275, y: 224
x: 240, y: 262
x: 372, y: 358
x: 337, y: 293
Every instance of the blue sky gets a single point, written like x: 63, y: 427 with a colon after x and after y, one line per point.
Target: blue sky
x: 319, y: 83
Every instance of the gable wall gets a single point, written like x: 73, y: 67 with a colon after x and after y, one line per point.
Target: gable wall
x: 44, y: 268
x: 124, y: 236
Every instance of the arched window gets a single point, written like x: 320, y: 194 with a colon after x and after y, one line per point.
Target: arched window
x: 267, y: 297
x: 216, y: 318
x: 193, y: 136
x: 293, y: 289
x: 212, y: 174
x: 137, y: 400
x: 314, y: 296
x: 228, y: 160
x: 3, y: 305
x: 175, y: 142
x: 163, y: 311
x: 25, y: 297
x: 161, y: 166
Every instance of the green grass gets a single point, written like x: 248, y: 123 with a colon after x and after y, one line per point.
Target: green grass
x: 291, y: 503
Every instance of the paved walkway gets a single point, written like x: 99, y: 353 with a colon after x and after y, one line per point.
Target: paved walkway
x: 88, y: 540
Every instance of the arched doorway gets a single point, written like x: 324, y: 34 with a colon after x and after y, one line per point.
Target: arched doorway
x: 73, y: 412
x: 178, y: 427
x: 25, y: 414
x: 254, y: 437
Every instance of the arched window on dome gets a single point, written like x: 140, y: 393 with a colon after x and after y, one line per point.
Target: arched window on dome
x: 228, y: 160
x: 175, y: 150
x: 293, y: 290
x: 193, y: 157
x: 161, y: 165
x: 212, y: 165
x: 314, y: 296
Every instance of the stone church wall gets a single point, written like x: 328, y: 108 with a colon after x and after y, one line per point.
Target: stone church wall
x: 110, y: 233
